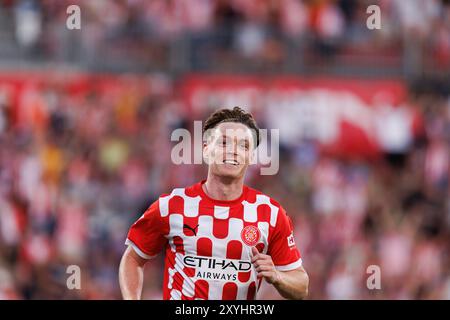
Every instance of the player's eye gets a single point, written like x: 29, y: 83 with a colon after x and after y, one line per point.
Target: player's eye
x: 244, y: 145
x: 224, y: 142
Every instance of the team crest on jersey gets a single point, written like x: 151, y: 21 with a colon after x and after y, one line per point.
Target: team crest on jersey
x: 250, y: 235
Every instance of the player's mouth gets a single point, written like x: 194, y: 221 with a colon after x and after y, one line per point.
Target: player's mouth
x: 231, y: 162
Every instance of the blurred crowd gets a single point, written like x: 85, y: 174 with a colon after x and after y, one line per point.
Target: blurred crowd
x: 258, y: 31
x: 77, y: 167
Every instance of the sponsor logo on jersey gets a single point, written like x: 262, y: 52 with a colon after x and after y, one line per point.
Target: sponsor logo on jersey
x: 210, y: 268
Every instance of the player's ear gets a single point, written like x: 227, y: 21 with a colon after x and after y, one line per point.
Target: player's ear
x: 252, y: 156
x: 253, y: 149
x: 205, y: 151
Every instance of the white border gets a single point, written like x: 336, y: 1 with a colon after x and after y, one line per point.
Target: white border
x: 138, y: 251
x: 290, y: 266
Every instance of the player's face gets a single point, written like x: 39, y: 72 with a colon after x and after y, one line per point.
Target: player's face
x: 229, y: 150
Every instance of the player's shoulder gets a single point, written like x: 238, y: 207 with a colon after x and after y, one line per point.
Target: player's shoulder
x: 176, y: 191
x: 255, y: 195
x: 176, y: 199
x: 191, y: 191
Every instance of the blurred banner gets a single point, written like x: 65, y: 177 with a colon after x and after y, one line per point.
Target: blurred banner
x: 348, y: 117
x: 352, y: 118
x: 27, y: 93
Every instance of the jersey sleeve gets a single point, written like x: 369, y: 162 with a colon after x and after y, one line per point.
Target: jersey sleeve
x: 147, y: 234
x: 282, y: 247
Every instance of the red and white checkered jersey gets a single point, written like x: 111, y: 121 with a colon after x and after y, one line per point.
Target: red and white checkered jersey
x: 208, y: 242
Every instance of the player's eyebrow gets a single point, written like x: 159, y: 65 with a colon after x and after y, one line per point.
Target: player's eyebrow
x: 239, y: 139
x: 245, y: 140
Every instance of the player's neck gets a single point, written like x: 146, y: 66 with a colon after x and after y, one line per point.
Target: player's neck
x: 223, y: 189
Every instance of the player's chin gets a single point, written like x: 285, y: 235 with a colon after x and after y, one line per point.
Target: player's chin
x: 229, y: 171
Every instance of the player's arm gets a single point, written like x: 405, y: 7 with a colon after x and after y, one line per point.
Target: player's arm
x: 291, y: 284
x: 146, y: 238
x: 282, y: 265
x: 131, y: 274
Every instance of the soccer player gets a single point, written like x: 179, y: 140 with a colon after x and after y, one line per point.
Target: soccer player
x: 220, y: 237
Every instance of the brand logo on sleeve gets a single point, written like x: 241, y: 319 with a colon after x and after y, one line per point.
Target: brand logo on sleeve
x: 290, y: 240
